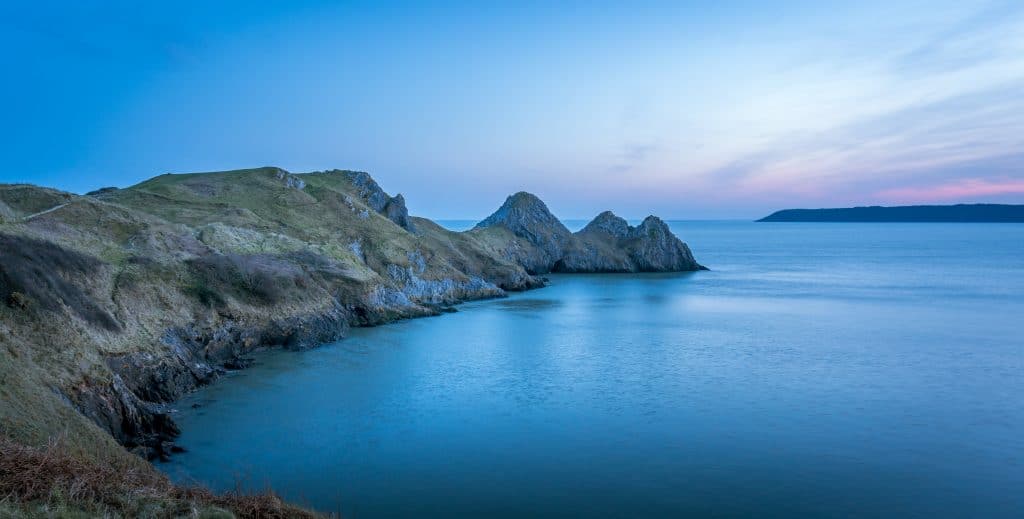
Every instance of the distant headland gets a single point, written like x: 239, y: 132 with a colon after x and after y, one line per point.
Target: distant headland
x: 974, y: 213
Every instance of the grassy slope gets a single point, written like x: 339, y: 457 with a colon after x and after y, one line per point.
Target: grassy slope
x: 325, y: 216
x: 144, y: 239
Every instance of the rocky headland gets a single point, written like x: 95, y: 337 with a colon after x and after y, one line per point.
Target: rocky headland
x: 116, y: 303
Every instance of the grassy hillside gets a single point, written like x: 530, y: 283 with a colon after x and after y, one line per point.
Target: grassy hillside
x: 115, y: 304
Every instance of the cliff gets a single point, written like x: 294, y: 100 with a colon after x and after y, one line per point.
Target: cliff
x: 115, y: 304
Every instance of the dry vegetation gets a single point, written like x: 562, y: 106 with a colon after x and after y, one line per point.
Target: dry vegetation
x: 56, y: 481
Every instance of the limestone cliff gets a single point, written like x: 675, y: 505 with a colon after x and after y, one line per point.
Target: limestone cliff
x: 114, y: 304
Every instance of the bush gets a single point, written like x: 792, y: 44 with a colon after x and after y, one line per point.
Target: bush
x: 260, y: 278
x: 209, y: 297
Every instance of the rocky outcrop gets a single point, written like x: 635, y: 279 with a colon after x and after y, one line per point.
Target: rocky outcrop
x: 653, y: 248
x: 607, y: 244
x: 127, y: 299
x: 142, y: 427
x: 133, y: 405
x: 526, y: 216
x: 392, y: 208
x: 395, y: 211
x: 290, y: 180
x: 609, y: 224
x: 598, y: 247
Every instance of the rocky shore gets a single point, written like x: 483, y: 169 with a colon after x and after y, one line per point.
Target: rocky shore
x: 115, y: 304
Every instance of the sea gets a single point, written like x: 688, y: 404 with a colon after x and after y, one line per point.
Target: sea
x: 817, y: 370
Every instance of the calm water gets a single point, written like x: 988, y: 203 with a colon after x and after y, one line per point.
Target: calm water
x: 819, y: 370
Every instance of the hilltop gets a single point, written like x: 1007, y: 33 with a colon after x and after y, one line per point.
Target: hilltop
x: 116, y: 303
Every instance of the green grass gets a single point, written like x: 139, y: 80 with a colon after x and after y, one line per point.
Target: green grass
x: 111, y: 273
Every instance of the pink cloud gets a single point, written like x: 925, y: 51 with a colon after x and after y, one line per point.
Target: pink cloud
x: 959, y: 190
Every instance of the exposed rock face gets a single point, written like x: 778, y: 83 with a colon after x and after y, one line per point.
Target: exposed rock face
x: 122, y: 301
x: 393, y: 208
x: 368, y: 189
x: 290, y: 180
x: 610, y: 244
x: 599, y: 247
x: 142, y: 427
x: 395, y: 211
x: 653, y: 248
x: 606, y: 244
x: 527, y: 217
x: 609, y: 224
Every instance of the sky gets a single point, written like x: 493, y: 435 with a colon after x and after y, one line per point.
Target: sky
x: 681, y: 109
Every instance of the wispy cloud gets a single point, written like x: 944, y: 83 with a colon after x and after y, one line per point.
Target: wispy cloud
x: 954, y: 98
x: 954, y: 191
x: 713, y: 107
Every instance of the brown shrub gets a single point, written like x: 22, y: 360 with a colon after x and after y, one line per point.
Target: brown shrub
x: 29, y: 474
x: 56, y: 473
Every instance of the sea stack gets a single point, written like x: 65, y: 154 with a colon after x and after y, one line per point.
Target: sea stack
x: 541, y: 243
x: 527, y: 217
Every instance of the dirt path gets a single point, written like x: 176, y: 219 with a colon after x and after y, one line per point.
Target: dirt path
x: 40, y: 213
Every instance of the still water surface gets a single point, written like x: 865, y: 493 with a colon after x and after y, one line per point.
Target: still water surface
x: 817, y: 370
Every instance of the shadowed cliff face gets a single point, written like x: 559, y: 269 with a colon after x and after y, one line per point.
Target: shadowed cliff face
x: 607, y: 244
x: 117, y: 303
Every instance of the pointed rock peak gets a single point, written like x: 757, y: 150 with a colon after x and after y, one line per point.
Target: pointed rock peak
x: 524, y: 212
x: 607, y: 222
x: 652, y: 223
x: 524, y: 198
x: 527, y: 217
x: 396, y: 211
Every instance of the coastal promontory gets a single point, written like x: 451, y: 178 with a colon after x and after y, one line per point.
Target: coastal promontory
x: 116, y: 303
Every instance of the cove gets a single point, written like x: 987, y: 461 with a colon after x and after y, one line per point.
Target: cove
x: 818, y: 369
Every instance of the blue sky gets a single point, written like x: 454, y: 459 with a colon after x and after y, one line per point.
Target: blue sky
x: 679, y: 109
